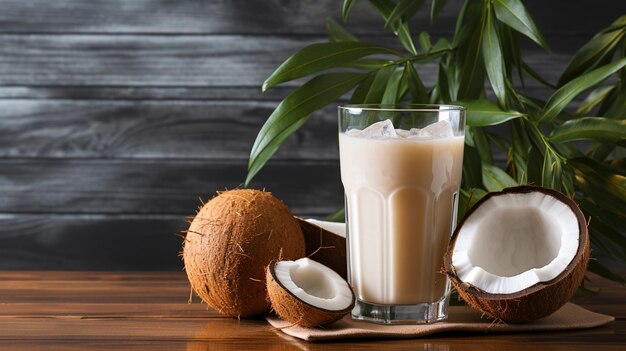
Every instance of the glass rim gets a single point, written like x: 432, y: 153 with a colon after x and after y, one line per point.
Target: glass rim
x: 403, y: 107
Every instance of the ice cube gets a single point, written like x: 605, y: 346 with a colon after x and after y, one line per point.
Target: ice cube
x: 379, y: 130
x: 354, y: 132
x: 441, y: 129
x: 403, y: 133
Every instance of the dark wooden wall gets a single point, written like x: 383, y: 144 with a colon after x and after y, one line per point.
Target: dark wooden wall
x: 115, y: 116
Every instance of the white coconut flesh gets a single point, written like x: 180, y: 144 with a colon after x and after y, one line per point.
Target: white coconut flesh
x: 514, y: 241
x: 338, y: 228
x: 314, y: 283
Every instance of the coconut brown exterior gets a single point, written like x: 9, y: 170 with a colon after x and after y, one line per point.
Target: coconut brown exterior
x: 296, y: 311
x: 325, y: 247
x: 539, y: 300
x: 231, y: 241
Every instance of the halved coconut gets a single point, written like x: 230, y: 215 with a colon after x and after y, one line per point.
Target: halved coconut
x: 325, y: 243
x: 307, y: 293
x: 519, y: 254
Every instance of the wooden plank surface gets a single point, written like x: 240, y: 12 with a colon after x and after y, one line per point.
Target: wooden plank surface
x: 186, y: 60
x: 96, y: 242
x: 162, y: 129
x: 134, y: 311
x: 164, y: 187
x: 260, y: 16
x: 201, y: 62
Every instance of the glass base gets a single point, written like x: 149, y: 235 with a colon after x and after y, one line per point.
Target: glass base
x: 423, y: 313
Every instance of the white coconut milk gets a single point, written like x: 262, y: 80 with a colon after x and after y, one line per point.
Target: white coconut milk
x: 400, y: 195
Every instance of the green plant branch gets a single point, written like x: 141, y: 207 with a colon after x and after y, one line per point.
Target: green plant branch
x: 432, y: 54
x: 485, y: 49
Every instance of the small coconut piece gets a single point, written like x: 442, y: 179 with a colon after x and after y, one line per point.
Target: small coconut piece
x: 326, y: 243
x: 231, y: 241
x: 307, y: 293
x: 519, y: 254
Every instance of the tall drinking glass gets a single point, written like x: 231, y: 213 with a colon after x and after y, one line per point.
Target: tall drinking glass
x: 401, y: 171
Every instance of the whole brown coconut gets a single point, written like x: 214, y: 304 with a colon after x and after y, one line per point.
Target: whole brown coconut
x: 231, y: 241
x: 539, y: 300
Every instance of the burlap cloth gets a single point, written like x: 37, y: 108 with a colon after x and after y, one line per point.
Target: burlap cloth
x: 460, y: 318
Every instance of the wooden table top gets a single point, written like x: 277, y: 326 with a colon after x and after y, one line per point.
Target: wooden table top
x: 138, y: 311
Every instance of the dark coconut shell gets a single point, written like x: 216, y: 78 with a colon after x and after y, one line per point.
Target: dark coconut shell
x: 231, y: 241
x: 539, y: 300
x: 325, y: 247
x: 290, y: 308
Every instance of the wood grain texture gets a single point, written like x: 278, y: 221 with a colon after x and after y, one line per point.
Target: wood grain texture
x: 259, y: 16
x: 186, y: 61
x: 90, y: 242
x: 137, y: 311
x: 146, y: 186
x: 162, y: 129
x: 136, y: 93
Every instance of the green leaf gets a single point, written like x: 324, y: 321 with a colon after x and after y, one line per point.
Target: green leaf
x: 404, y: 35
x: 472, y: 173
x: 467, y: 199
x: 403, y: 86
x: 461, y: 31
x: 441, y: 44
x: 615, y: 109
x: 469, y: 57
x: 551, y: 171
x: 614, y: 242
x: 514, y: 14
x: 593, y: 99
x: 567, y: 150
x: 347, y: 7
x: 509, y: 40
x: 608, y: 189
x: 469, y: 139
x: 474, y: 196
x: 436, y: 8
x: 319, y: 57
x: 569, y: 91
x: 596, y: 52
x: 481, y: 113
x: 536, y: 136
x: 404, y: 10
x: 337, y: 33
x: 496, y: 179
x: 368, y: 64
x: 441, y: 90
x: 371, y: 90
x: 590, y: 128
x: 425, y: 43
x: 416, y: 87
x: 519, y: 142
x: 568, y: 181
x: 400, y: 29
x: 391, y: 95
x: 492, y: 57
x: 534, y: 166
x: 482, y: 145
x: 294, y: 111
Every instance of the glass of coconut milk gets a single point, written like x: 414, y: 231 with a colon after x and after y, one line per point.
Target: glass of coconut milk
x: 401, y: 171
